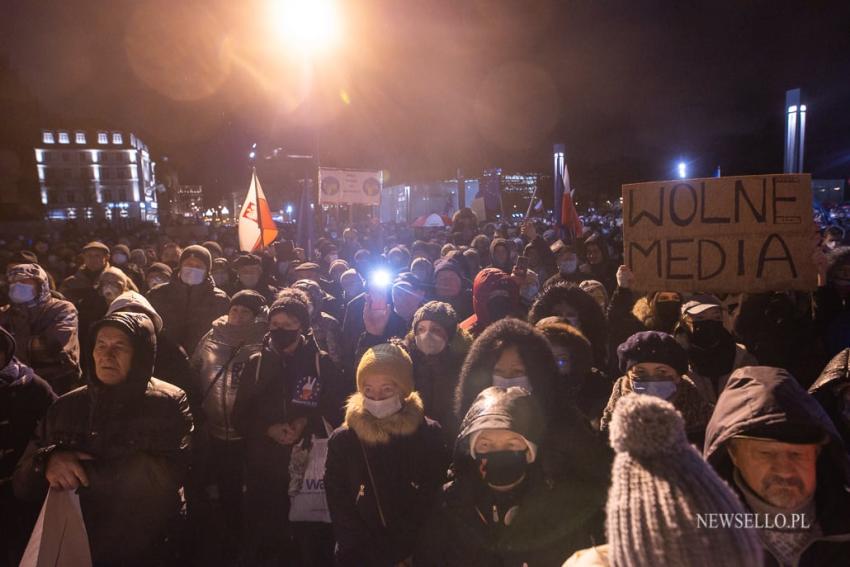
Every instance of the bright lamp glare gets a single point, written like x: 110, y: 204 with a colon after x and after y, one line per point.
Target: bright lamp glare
x: 683, y: 170
x: 308, y: 26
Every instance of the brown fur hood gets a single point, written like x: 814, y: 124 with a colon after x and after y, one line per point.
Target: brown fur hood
x: 373, y: 431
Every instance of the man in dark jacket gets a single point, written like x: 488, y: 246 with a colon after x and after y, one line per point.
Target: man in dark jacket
x: 45, y: 328
x: 123, y: 441
x: 83, y: 283
x: 832, y: 390
x: 250, y: 275
x: 24, y: 398
x: 190, y: 302
x: 775, y: 445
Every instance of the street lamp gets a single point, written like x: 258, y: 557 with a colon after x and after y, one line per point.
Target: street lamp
x: 307, y: 26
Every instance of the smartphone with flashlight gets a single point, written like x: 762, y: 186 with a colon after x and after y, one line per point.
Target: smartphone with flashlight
x: 379, y: 284
x: 521, y: 267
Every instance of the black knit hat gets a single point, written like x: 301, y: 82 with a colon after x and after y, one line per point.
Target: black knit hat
x: 441, y: 313
x: 250, y: 299
x: 293, y: 307
x: 655, y: 347
x: 199, y: 252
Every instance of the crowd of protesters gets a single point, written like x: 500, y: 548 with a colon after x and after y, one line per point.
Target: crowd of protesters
x: 486, y: 395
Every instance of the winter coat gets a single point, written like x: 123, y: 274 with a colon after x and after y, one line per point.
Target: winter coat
x: 381, y: 477
x: 536, y: 524
x: 709, y: 387
x: 828, y: 391
x: 760, y: 395
x: 436, y: 378
x: 80, y: 285
x: 217, y: 364
x: 328, y: 333
x: 695, y: 409
x: 275, y: 388
x: 138, y: 433
x: 46, y: 333
x: 24, y: 398
x: 188, y: 311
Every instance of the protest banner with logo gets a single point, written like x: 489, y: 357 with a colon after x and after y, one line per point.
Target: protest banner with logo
x: 724, y: 234
x: 349, y: 187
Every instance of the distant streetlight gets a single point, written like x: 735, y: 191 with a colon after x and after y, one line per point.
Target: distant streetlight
x: 307, y: 26
x: 683, y: 170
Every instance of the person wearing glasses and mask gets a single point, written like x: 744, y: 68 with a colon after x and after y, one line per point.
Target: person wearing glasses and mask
x: 655, y: 364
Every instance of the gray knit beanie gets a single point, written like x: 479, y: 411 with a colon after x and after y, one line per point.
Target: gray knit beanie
x: 659, y: 487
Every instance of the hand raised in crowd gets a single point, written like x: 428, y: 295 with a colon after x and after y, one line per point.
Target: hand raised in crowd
x: 65, y: 470
x: 376, y: 315
x: 625, y: 277
x: 528, y: 230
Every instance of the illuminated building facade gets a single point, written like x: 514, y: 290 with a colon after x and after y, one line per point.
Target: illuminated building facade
x: 96, y: 175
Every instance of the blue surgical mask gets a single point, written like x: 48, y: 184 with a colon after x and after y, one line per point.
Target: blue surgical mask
x: 517, y: 381
x: 664, y: 389
x: 192, y: 276
x: 21, y: 292
x: 567, y: 266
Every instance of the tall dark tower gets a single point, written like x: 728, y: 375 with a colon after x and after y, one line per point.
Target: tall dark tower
x: 795, y: 131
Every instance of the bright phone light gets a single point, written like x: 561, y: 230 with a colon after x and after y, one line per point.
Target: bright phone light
x: 683, y: 170
x: 380, y: 278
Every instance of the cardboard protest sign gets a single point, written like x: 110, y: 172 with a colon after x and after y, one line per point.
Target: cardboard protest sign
x: 724, y: 234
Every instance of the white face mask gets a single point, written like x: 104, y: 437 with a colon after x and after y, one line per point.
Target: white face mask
x: 430, y: 343
x: 663, y: 389
x: 119, y: 259
x: 192, y: 276
x: 21, y: 292
x: 518, y: 381
x: 383, y: 408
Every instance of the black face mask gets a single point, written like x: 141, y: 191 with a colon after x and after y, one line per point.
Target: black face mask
x: 708, y: 334
x: 283, y: 338
x: 502, y: 468
x: 667, y: 313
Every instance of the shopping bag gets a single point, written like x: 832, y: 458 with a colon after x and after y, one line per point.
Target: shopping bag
x: 309, y: 503
x: 59, y: 538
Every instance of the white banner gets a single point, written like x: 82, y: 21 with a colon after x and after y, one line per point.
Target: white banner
x: 349, y: 187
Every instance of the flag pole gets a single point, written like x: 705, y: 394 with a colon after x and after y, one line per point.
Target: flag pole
x: 531, y: 203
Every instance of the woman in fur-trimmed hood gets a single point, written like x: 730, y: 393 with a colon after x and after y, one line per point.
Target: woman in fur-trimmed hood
x: 384, y: 465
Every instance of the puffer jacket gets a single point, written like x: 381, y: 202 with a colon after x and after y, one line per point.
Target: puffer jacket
x: 138, y: 434
x: 188, y: 311
x: 217, y: 384
x: 829, y: 388
x: 378, y: 508
x: 80, y: 285
x: 47, y: 336
x: 760, y: 395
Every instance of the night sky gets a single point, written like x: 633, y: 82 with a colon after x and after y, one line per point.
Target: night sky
x: 420, y: 88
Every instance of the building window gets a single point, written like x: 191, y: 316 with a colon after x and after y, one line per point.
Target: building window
x: 80, y: 137
x: 102, y: 138
x: 66, y: 156
x: 89, y: 213
x: 66, y: 173
x: 122, y: 174
x: 72, y: 213
x: 47, y: 138
x: 116, y: 138
x: 46, y: 156
x: 122, y: 194
x: 107, y: 195
x: 70, y: 197
x: 63, y: 138
x: 106, y: 173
